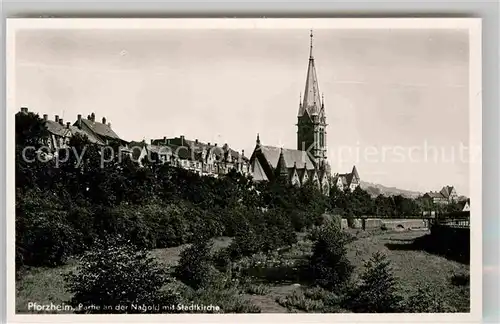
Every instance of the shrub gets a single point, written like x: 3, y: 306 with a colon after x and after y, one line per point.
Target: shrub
x: 255, y: 289
x: 329, y: 266
x: 460, y: 280
x: 195, y: 266
x: 425, y: 301
x: 114, y: 276
x: 316, y: 293
x: 377, y: 292
x: 43, y: 235
x: 229, y: 300
x: 299, y: 301
x: 246, y: 243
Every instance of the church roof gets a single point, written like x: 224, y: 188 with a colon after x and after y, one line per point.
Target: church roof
x: 291, y: 157
x: 312, y: 99
x: 258, y: 172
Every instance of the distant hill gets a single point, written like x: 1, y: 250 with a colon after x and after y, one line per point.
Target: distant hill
x: 376, y: 189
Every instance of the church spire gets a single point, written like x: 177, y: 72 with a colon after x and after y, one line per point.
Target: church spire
x: 312, y: 97
x: 311, y: 47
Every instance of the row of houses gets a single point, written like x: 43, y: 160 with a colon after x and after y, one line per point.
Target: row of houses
x: 201, y: 158
x: 206, y: 159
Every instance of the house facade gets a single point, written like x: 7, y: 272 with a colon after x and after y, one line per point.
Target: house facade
x: 445, y: 196
x: 202, y: 158
x: 346, y: 181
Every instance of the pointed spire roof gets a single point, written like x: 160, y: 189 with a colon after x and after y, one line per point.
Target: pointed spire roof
x: 281, y: 169
x: 312, y: 97
x: 355, y: 172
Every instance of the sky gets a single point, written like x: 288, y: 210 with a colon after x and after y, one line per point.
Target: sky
x: 397, y: 101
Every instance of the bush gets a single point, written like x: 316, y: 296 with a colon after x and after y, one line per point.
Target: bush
x: 377, y: 292
x: 43, y: 235
x: 255, y: 289
x: 425, y: 301
x: 195, y: 266
x: 329, y: 266
x: 316, y: 293
x: 114, y: 276
x: 229, y: 300
x: 299, y: 301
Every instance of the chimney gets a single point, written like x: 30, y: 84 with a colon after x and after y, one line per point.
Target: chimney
x: 67, y: 124
x: 57, y: 118
x: 165, y: 140
x: 182, y: 140
x: 208, y: 144
x: 92, y: 117
x: 196, y: 141
x: 109, y: 125
x: 45, y: 117
x: 24, y: 110
x: 104, y: 120
x: 215, y: 144
x: 60, y: 121
x: 79, y: 120
x: 242, y: 152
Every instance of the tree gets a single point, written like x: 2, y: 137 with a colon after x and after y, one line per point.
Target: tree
x: 114, y: 277
x: 361, y: 202
x: 377, y: 292
x: 329, y: 266
x: 195, y: 266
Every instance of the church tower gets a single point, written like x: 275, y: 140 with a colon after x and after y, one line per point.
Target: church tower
x: 311, y: 125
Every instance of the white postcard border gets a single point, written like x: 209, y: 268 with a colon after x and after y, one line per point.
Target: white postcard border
x: 475, y: 114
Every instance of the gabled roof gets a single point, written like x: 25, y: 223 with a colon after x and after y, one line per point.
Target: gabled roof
x: 100, y: 129
x: 433, y: 194
x: 355, y: 173
x: 291, y: 157
x: 303, y: 176
x: 446, y: 191
x: 198, y: 147
x: 258, y: 172
x: 91, y: 137
x: 281, y: 168
x: 57, y: 129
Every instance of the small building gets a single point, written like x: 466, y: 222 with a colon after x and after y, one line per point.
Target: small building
x: 445, y: 196
x: 465, y: 205
x: 347, y: 180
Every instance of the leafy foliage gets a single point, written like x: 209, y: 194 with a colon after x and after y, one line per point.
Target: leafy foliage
x: 377, y: 292
x: 426, y: 301
x: 329, y: 266
x: 195, y: 266
x: 115, y: 276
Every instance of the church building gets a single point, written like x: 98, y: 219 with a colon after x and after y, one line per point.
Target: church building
x: 308, y: 162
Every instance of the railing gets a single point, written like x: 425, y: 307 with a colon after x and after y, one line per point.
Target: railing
x: 459, y: 223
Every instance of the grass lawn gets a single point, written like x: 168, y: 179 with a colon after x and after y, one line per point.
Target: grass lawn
x: 414, y: 269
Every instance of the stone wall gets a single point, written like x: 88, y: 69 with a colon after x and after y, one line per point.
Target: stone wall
x: 386, y: 223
